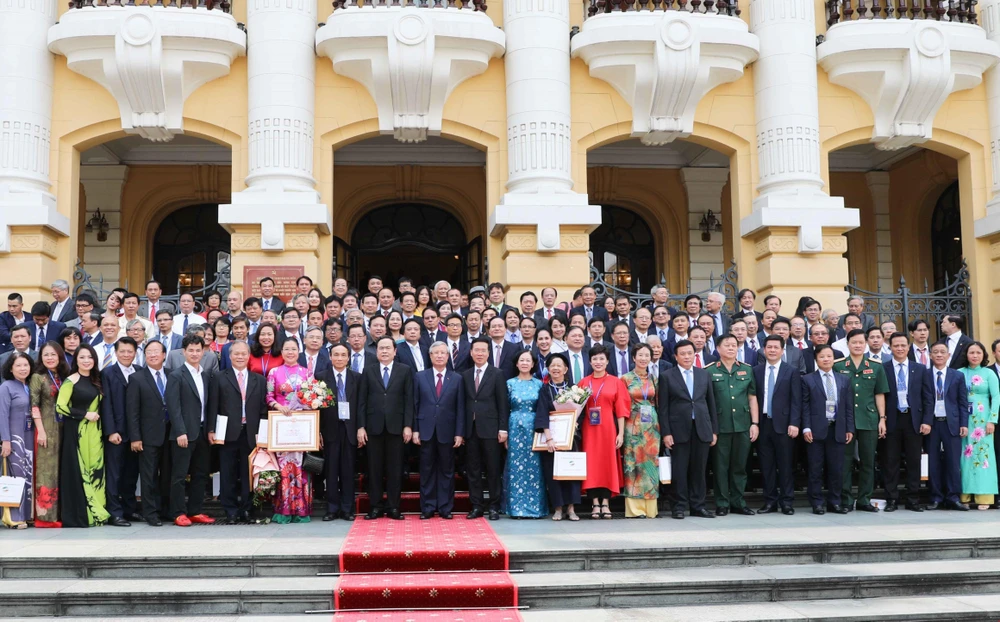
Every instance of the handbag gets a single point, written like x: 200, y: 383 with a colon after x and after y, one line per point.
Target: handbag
x: 666, y: 469
x: 311, y: 463
x: 11, y: 489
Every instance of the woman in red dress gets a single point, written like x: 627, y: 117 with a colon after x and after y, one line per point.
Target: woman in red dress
x: 603, y: 432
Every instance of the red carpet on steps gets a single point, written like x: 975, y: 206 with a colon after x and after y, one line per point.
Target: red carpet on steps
x: 392, y: 565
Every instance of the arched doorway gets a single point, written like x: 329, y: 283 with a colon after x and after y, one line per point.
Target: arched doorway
x: 422, y: 242
x: 188, y: 249
x: 622, y: 250
x: 946, y: 237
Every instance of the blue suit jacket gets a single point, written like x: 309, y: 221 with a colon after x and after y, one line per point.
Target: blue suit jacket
x: 404, y: 355
x: 814, y: 406
x: 175, y: 344
x: 442, y: 417
x: 113, y: 411
x: 7, y: 323
x: 749, y: 355
x: 786, y: 403
x: 52, y: 330
x: 919, y: 395
x: 956, y: 398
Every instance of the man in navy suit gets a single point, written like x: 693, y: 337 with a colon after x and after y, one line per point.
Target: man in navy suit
x: 457, y: 342
x: 702, y: 357
x: 578, y: 354
x: 502, y: 352
x: 620, y: 358
x: 909, y: 411
x: 487, y: 414
x: 412, y: 352
x: 952, y: 326
x: 268, y: 301
x: 589, y: 309
x: 165, y: 334
x: 439, y: 403
x: 779, y: 397
x: 339, y: 427
x: 43, y: 328
x: 13, y: 316
x: 951, y: 425
x: 827, y: 425
x: 121, y: 466
x: 314, y: 357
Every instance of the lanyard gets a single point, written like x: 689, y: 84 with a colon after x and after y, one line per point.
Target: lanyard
x: 266, y: 363
x: 645, y: 389
x: 555, y: 390
x: 597, y: 396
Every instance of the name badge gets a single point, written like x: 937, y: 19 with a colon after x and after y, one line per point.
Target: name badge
x: 939, y: 408
x: 646, y: 413
x: 594, y: 415
x: 343, y: 410
x: 901, y: 398
x: 831, y: 410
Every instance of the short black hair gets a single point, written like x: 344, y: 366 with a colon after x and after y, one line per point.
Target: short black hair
x: 854, y: 333
x: 820, y: 348
x: 265, y: 279
x: 41, y: 309
x: 597, y: 351
x: 191, y: 339
x: 778, y: 338
x: 128, y: 341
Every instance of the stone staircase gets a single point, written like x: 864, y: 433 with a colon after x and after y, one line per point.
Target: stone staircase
x: 930, y: 579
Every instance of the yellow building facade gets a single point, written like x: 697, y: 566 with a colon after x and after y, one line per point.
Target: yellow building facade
x: 157, y: 114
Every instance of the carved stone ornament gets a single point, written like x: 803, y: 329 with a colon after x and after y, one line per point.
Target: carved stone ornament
x: 150, y: 58
x: 410, y: 59
x: 663, y: 63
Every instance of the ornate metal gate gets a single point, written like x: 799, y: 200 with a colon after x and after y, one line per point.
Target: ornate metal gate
x: 727, y: 284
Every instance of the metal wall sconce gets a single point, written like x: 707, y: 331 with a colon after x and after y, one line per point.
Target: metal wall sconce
x: 99, y: 223
x: 708, y: 224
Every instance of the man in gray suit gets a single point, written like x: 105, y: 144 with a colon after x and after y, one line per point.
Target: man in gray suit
x: 209, y: 362
x: 62, y: 303
x: 82, y: 306
x: 153, y: 304
x: 793, y: 356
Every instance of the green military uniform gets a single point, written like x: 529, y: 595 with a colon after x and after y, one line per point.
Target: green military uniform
x: 732, y: 389
x: 867, y: 380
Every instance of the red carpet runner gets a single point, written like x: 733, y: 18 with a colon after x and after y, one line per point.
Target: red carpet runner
x: 424, y: 556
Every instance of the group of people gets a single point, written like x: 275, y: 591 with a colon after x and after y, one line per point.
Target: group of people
x: 97, y: 399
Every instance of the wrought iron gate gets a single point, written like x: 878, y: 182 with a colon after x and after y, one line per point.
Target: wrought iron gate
x: 727, y: 284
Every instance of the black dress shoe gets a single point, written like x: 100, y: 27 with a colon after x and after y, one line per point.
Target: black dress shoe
x: 133, y: 517
x: 495, y: 515
x: 767, y: 509
x: 395, y: 515
x: 721, y: 511
x: 836, y: 509
x: 961, y: 507
x: 231, y: 520
x: 933, y: 506
x: 329, y: 516
x: 867, y: 507
x: 820, y: 510
x: 745, y: 511
x: 118, y: 521
x: 348, y: 516
x: 788, y: 510
x: 913, y: 507
x: 702, y: 513
x: 678, y: 514
x: 474, y: 514
x: 426, y: 515
x: 154, y: 522
x: 445, y: 515
x: 891, y: 506
x: 374, y: 514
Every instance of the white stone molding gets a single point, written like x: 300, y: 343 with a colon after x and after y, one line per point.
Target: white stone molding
x: 878, y: 185
x: 273, y: 208
x: 905, y: 70
x: 103, y: 186
x: 409, y: 59
x: 547, y: 212
x: 663, y: 63
x: 150, y: 58
x: 703, y: 187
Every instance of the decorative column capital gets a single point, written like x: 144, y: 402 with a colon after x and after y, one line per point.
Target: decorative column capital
x: 273, y: 209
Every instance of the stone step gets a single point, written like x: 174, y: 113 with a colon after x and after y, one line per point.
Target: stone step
x: 179, y: 562
x: 682, y: 587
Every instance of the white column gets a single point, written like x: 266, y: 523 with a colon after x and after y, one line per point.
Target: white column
x: 989, y: 17
x: 281, y: 70
x: 103, y: 187
x: 878, y: 185
x: 786, y: 106
x: 704, y: 192
x: 26, y: 74
x: 539, y: 182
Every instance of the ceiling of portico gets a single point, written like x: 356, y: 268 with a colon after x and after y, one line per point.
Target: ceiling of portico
x: 133, y: 150
x: 864, y: 158
x: 677, y: 154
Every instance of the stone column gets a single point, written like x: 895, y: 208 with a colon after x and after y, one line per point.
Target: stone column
x: 793, y: 214
x: 989, y: 225
x: 280, y: 210
x: 103, y: 187
x: 29, y: 223
x: 540, y: 213
x: 704, y: 193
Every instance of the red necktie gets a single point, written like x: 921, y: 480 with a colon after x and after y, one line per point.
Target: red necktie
x: 800, y: 345
x: 548, y: 314
x: 923, y: 357
x: 152, y: 312
x: 437, y: 388
x: 312, y: 363
x: 697, y: 360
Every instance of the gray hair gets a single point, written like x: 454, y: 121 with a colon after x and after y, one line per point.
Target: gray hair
x: 315, y: 329
x: 719, y: 296
x: 133, y: 323
x: 60, y: 284
x: 858, y: 298
x: 828, y: 312
x: 437, y: 345
x: 442, y: 281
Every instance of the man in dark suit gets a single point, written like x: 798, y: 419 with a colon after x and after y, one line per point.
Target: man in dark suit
x: 698, y: 336
x: 43, y: 328
x: 744, y: 353
x: 148, y: 310
x: 798, y: 340
x: 339, y: 427
x: 63, y: 305
x: 620, y: 358
x: 13, y: 316
x: 412, y: 352
x: 268, y: 301
x: 578, y: 354
x: 713, y: 307
x: 779, y: 396
x: 909, y: 412
x: 951, y: 425
x: 548, y: 310
x: 792, y: 355
x: 589, y: 309
x: 458, y: 345
x: 953, y: 326
x: 240, y: 397
x: 314, y: 357
x: 385, y: 424
x: 920, y: 349
x: 431, y: 331
x: 439, y: 398
x: 642, y: 328
x: 121, y: 466
x: 165, y: 331
x: 827, y: 425
x: 689, y: 424
x: 361, y: 357
x: 487, y: 413
x: 149, y: 430
x: 187, y: 398
x: 502, y: 352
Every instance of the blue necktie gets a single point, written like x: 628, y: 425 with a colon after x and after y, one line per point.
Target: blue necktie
x: 162, y: 389
x: 689, y: 381
x: 357, y: 362
x: 901, y: 379
x: 385, y: 377
x: 623, y: 369
x: 267, y: 304
x: 770, y: 390
x: 940, y: 386
x: 341, y: 395
x: 185, y: 329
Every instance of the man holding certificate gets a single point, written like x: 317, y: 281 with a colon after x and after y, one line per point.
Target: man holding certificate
x: 236, y: 407
x: 440, y: 406
x: 339, y: 428
x: 385, y: 424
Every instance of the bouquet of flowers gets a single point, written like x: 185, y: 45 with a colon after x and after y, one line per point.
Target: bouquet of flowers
x: 573, y: 399
x: 266, y: 488
x: 314, y: 394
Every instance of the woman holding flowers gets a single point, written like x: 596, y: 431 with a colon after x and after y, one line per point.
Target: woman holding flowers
x: 562, y: 493
x: 979, y: 472
x: 294, y: 499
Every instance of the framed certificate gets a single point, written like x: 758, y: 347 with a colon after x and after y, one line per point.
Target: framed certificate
x: 562, y: 425
x: 298, y: 431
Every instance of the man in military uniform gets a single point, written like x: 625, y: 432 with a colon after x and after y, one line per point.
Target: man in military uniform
x: 733, y: 384
x: 869, y: 386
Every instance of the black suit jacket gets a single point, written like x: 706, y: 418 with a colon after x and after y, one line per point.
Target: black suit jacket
x: 52, y: 330
x: 276, y: 305
x: 814, y: 406
x: 427, y: 339
x: 462, y: 360
x: 614, y: 362
x: 330, y: 417
x: 808, y: 355
x: 556, y: 312
x: 919, y: 395
x: 585, y: 363
x: 958, y: 358
x: 225, y: 399
x: 7, y: 323
x: 322, y: 360
x: 488, y: 408
x: 184, y: 403
x: 599, y: 312
x: 404, y: 355
x: 145, y: 408
x: 507, y: 364
x: 386, y: 408
x: 786, y: 403
x: 113, y: 407
x: 675, y: 405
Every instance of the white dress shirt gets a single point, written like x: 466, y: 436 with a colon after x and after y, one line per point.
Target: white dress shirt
x: 767, y: 372
x: 418, y: 356
x: 243, y: 375
x: 905, y: 365
x: 193, y: 320
x: 126, y: 371
x: 199, y: 383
